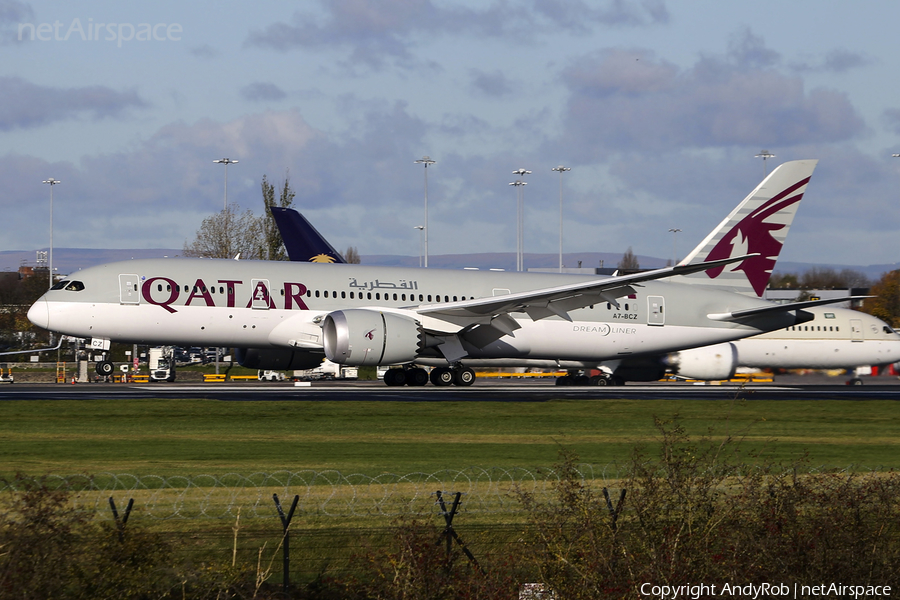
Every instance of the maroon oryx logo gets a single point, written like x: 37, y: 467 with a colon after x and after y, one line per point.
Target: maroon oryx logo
x: 370, y: 334
x: 754, y: 235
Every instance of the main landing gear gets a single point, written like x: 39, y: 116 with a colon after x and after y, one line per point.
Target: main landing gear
x: 440, y: 376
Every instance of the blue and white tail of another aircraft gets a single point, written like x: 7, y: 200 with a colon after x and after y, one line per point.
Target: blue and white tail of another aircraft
x: 302, y: 241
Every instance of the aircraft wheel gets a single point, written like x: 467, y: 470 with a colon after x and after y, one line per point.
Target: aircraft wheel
x: 598, y: 380
x: 105, y: 368
x: 855, y: 381
x: 617, y: 381
x: 441, y: 376
x: 416, y: 377
x: 464, y: 377
x: 581, y: 380
x: 394, y: 377
x: 564, y: 380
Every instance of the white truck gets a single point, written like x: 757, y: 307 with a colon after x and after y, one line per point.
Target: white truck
x: 162, y: 363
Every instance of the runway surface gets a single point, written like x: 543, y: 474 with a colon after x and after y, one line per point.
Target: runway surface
x: 786, y: 388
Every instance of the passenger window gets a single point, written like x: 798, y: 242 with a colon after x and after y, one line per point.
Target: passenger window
x: 395, y: 296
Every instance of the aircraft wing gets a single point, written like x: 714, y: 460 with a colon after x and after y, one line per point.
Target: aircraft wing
x: 748, y: 313
x: 558, y: 301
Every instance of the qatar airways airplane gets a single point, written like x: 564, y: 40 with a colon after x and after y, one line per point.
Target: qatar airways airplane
x: 835, y: 338
x: 289, y: 315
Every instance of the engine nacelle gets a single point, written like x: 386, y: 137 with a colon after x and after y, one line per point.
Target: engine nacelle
x: 709, y: 362
x: 277, y: 359
x: 360, y: 337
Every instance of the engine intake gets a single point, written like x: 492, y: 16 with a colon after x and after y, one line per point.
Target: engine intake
x: 361, y: 337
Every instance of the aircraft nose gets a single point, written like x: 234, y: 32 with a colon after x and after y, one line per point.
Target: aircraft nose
x: 39, y: 314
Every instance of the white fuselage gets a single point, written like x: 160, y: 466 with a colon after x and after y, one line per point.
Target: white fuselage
x: 836, y: 338
x: 204, y: 302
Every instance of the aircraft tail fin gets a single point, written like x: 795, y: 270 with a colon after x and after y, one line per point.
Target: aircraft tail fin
x: 758, y: 225
x: 301, y: 240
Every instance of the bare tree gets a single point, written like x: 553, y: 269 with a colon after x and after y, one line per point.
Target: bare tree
x: 227, y: 234
x: 274, y: 244
x: 629, y: 261
x: 352, y: 256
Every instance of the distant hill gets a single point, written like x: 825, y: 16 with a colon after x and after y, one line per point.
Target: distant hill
x: 69, y: 260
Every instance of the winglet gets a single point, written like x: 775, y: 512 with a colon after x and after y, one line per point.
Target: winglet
x: 758, y: 225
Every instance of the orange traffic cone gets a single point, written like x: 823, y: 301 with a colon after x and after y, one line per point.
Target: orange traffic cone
x: 73, y: 380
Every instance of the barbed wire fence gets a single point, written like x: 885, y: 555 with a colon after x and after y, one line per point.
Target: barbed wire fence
x: 493, y: 490
x: 324, y: 493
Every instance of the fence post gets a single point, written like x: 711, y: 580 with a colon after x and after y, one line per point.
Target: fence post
x: 614, y: 512
x: 286, y: 539
x: 450, y: 533
x: 120, y: 525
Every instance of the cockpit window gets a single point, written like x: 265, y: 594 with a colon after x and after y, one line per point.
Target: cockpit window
x: 74, y: 286
x: 60, y: 284
x: 888, y: 330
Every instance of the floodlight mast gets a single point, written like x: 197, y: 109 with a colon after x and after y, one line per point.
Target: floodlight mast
x: 674, y: 231
x: 426, y: 160
x: 561, y: 170
x: 51, y: 182
x: 520, y: 219
x: 764, y: 154
x: 226, y: 162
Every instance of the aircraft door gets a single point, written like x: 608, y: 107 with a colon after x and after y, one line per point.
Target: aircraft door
x: 656, y: 314
x: 261, y: 298
x: 129, y: 286
x: 856, y: 330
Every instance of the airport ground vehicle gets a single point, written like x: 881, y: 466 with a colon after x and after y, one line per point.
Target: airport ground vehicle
x: 162, y: 364
x: 264, y: 375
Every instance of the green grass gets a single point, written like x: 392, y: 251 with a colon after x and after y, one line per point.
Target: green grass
x: 188, y: 437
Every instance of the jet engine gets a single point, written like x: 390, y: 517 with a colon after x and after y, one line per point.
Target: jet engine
x: 360, y: 337
x: 277, y: 359
x: 709, y: 362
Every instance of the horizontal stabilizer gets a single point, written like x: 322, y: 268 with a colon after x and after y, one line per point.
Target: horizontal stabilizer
x: 778, y: 308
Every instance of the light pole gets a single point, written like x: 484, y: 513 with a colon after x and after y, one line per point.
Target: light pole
x: 764, y: 154
x: 421, y: 229
x: 561, y: 170
x: 51, y: 182
x: 674, y: 231
x: 226, y: 162
x: 426, y: 160
x: 520, y: 233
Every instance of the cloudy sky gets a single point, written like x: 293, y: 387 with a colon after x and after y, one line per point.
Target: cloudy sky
x: 658, y: 107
